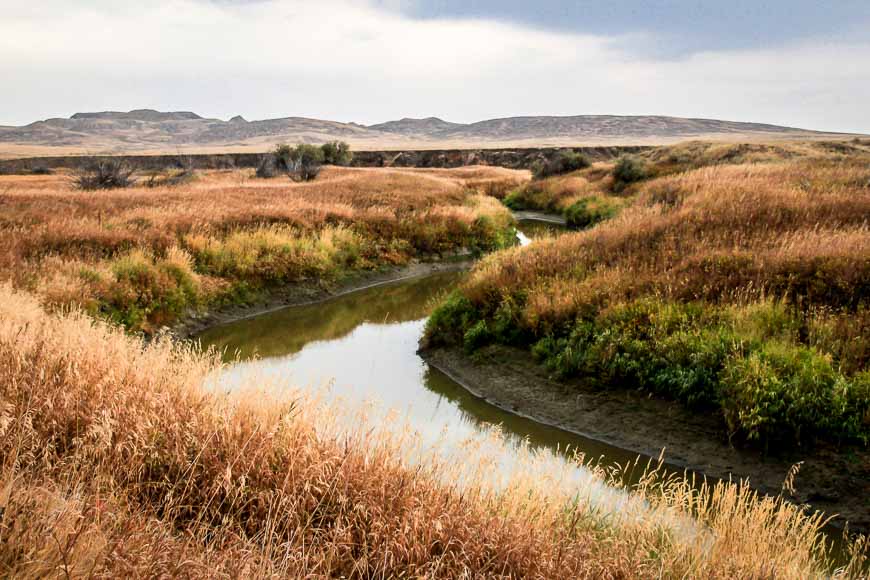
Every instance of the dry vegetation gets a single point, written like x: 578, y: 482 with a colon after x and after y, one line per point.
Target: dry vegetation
x: 146, y: 255
x: 726, y: 283
x: 118, y: 462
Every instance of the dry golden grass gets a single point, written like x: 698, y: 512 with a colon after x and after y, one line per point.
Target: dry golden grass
x: 143, y: 255
x: 118, y: 461
x: 740, y: 288
x: 716, y: 233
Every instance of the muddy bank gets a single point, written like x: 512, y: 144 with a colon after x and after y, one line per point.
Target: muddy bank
x: 833, y: 480
x: 311, y: 292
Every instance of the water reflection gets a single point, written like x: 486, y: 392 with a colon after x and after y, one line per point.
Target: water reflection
x: 364, y: 345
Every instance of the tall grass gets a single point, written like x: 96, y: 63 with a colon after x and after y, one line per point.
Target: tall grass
x: 118, y: 461
x: 690, y: 257
x: 116, y: 252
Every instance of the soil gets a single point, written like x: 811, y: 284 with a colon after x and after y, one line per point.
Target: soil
x: 834, y: 480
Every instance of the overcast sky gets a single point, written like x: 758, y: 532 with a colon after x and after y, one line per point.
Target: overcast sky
x: 791, y: 62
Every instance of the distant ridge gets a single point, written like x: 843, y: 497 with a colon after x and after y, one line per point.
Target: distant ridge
x: 148, y: 130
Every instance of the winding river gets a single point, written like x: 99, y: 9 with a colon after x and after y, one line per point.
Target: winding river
x: 363, y: 345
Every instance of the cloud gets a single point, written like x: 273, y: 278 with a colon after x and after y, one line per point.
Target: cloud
x: 355, y: 60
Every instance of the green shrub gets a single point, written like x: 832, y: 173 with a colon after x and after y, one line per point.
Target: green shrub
x: 145, y: 294
x: 785, y: 391
x: 336, y: 153
x: 629, y: 169
x: 516, y: 200
x: 448, y: 323
x: 300, y: 163
x: 476, y: 337
x: 588, y: 211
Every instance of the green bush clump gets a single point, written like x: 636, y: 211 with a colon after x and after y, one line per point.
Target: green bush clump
x: 629, y: 169
x: 792, y: 392
x: 516, y: 200
x: 564, y: 162
x: 144, y: 294
x: 476, y: 337
x: 336, y: 153
x: 588, y: 211
x: 449, y: 322
x: 300, y: 163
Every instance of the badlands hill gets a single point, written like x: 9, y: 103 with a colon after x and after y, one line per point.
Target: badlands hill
x: 146, y: 130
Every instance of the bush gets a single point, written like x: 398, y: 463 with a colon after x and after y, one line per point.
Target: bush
x: 181, y: 174
x: 588, y: 211
x: 792, y: 392
x: 301, y: 163
x: 105, y: 174
x: 336, y: 153
x: 305, y: 161
x: 564, y: 162
x: 629, y: 169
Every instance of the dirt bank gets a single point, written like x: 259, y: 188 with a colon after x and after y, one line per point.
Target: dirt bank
x: 311, y: 292
x: 833, y: 480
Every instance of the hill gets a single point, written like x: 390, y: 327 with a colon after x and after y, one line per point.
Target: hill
x: 150, y: 131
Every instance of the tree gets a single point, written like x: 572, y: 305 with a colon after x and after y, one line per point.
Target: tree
x: 336, y: 153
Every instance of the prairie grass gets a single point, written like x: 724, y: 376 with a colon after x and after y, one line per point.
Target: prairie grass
x: 144, y: 256
x: 663, y: 295
x: 118, y: 461
x: 615, y: 183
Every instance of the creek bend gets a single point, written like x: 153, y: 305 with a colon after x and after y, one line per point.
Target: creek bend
x: 364, y: 346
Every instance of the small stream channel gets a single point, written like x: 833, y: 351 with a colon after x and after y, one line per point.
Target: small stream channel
x: 363, y: 345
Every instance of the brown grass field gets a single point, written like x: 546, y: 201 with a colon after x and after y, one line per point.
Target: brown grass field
x: 144, y: 256
x: 735, y: 279
x: 118, y: 460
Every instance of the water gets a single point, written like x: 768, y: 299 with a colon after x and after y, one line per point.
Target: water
x: 363, y: 345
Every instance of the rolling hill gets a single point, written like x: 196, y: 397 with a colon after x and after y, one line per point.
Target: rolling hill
x: 147, y: 130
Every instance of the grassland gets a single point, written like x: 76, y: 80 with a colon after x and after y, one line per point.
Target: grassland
x: 733, y: 279
x: 118, y: 461
x: 144, y: 257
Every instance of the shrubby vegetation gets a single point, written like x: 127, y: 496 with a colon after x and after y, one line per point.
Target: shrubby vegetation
x: 629, y: 169
x: 743, y: 289
x: 303, y: 162
x: 588, y: 211
x: 105, y: 174
x: 336, y: 153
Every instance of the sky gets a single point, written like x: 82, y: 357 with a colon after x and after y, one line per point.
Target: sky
x: 799, y: 63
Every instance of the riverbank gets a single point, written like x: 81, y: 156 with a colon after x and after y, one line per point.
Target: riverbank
x: 312, y: 292
x: 834, y: 481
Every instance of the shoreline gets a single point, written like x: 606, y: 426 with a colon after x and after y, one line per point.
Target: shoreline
x: 312, y: 292
x: 830, y: 480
